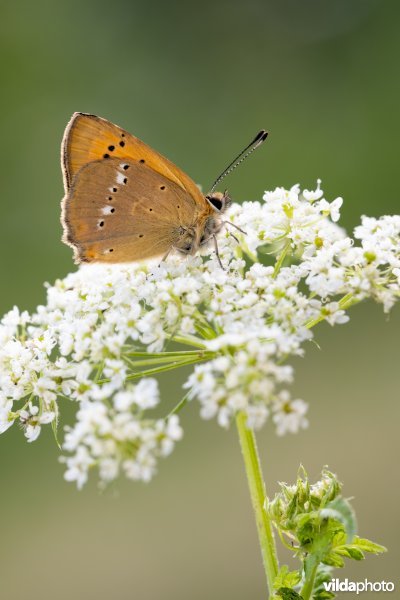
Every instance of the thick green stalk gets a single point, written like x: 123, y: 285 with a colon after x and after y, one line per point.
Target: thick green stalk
x: 258, y: 497
x: 308, y: 586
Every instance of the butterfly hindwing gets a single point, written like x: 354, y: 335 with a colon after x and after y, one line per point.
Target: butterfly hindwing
x: 121, y: 211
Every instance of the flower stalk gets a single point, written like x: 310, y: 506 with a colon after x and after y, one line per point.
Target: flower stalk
x: 308, y: 586
x: 281, y: 258
x: 258, y: 498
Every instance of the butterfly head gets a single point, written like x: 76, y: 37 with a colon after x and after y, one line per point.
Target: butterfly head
x: 206, y: 227
x: 219, y: 203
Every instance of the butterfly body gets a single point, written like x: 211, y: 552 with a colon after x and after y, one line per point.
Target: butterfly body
x: 126, y: 202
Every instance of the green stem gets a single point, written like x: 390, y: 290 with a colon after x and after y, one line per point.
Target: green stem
x: 308, y: 586
x: 188, y: 340
x: 344, y: 303
x: 179, y: 406
x: 258, y: 498
x: 280, y: 259
x: 147, y: 362
x: 175, y: 353
x: 162, y: 368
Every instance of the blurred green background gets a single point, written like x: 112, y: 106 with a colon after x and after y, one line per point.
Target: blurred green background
x: 196, y: 80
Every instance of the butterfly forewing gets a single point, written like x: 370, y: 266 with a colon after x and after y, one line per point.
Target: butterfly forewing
x: 121, y: 211
x: 88, y: 138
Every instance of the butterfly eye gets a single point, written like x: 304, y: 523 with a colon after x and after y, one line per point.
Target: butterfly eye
x: 220, y: 202
x: 216, y: 202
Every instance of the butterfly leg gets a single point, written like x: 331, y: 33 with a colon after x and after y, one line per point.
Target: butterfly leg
x: 217, y: 251
x: 235, y: 226
x: 234, y: 237
x: 164, y: 258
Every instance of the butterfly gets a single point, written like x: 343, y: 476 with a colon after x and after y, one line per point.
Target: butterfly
x: 126, y: 202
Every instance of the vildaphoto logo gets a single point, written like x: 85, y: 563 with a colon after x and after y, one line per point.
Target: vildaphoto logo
x: 345, y: 585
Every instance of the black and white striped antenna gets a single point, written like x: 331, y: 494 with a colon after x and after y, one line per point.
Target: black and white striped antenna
x: 258, y: 140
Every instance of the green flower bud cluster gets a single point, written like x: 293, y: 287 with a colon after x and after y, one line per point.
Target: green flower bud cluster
x: 296, y: 505
x: 319, y: 525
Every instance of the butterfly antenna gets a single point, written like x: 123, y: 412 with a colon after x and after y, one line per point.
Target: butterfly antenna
x: 258, y: 140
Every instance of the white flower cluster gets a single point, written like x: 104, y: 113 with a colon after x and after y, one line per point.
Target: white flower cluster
x: 293, y: 268
x: 114, y: 436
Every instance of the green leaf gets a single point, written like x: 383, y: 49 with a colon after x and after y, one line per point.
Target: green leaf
x: 350, y: 552
x: 324, y: 575
x: 339, y: 538
x: 333, y: 560
x: 355, y: 553
x: 345, y: 514
x: 356, y: 549
x: 288, y: 594
x: 286, y: 578
x: 323, y: 595
x: 368, y: 546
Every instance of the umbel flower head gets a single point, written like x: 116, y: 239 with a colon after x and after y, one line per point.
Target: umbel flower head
x: 103, y: 333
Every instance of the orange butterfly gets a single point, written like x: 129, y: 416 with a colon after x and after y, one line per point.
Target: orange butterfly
x: 125, y: 202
